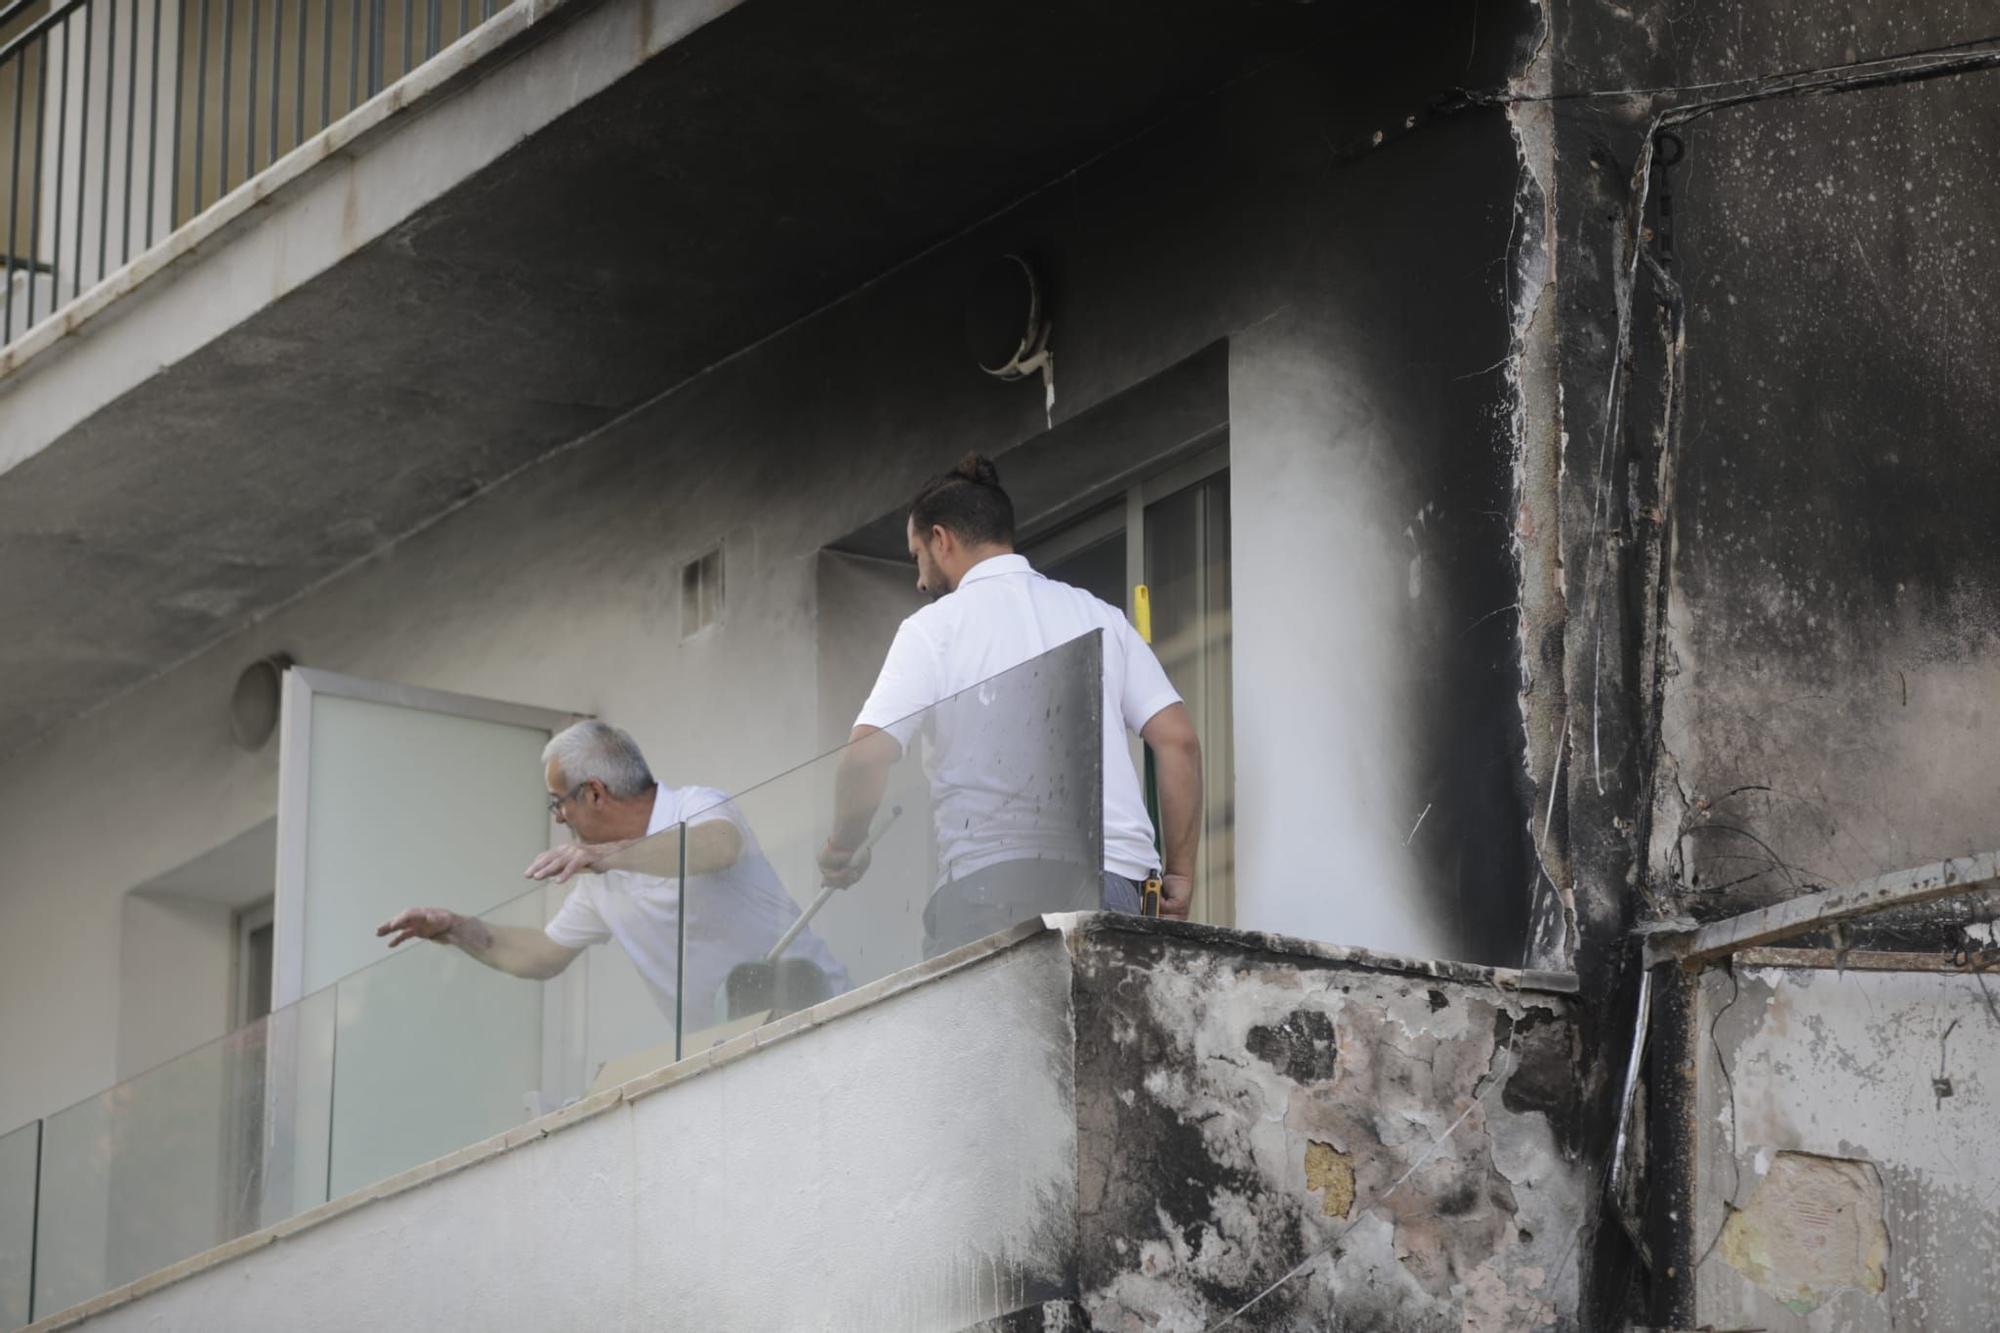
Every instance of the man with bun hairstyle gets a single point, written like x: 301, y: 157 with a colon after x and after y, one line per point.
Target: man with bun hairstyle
x: 991, y: 612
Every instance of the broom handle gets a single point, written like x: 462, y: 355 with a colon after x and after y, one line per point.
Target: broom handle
x: 826, y: 891
x: 792, y: 931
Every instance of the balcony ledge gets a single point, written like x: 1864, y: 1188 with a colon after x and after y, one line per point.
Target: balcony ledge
x: 1087, y: 942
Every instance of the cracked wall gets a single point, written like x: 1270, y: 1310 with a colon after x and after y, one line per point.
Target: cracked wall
x: 1346, y: 1146
x: 1844, y: 1171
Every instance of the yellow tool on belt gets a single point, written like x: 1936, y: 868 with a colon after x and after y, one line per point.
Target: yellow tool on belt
x: 1142, y: 620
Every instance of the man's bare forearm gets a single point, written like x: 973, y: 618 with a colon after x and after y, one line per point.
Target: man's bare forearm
x: 860, y: 783
x: 713, y: 846
x: 1179, y: 771
x: 1177, y: 766
x: 516, y: 950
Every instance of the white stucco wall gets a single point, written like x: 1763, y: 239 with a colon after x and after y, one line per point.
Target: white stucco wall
x: 1322, y: 580
x: 176, y: 977
x: 781, y: 1190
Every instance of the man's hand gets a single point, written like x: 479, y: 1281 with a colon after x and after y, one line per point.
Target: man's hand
x: 840, y: 867
x: 419, y: 923
x: 573, y: 858
x: 1176, y: 895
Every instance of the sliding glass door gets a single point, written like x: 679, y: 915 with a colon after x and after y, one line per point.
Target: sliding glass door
x: 1171, y: 532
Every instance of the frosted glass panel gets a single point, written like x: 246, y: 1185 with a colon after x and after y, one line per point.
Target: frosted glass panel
x: 409, y: 807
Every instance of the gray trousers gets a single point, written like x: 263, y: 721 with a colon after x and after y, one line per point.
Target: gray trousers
x: 989, y: 901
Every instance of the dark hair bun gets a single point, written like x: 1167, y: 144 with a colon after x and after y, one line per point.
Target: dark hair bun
x: 967, y: 501
x: 978, y: 470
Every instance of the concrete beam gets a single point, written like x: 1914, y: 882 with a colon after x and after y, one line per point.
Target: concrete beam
x: 1796, y: 916
x: 1872, y: 960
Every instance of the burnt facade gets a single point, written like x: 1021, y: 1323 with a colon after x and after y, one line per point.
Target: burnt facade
x: 1758, y: 361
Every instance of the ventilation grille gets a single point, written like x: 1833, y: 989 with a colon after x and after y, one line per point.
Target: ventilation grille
x: 701, y: 593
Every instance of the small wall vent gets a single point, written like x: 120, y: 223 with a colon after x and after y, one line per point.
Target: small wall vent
x: 701, y: 593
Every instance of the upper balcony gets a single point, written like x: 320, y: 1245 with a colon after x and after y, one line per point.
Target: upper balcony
x: 288, y: 279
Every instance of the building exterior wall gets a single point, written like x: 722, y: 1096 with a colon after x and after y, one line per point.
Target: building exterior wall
x: 1769, y: 325
x: 1778, y: 611
x: 1834, y: 611
x: 1366, y: 440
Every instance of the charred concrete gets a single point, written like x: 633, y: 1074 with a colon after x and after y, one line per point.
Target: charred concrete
x: 1304, y: 1136
x: 1302, y: 1046
x: 1778, y: 613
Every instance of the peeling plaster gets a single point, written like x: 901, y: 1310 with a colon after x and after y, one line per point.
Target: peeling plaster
x: 1821, y: 1084
x: 1535, y: 425
x: 1330, y: 1172
x: 1813, y: 1227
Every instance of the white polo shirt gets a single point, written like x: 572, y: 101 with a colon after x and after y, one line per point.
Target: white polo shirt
x: 733, y: 916
x: 1002, y: 614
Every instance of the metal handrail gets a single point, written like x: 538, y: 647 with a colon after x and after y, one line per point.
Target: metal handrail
x: 145, y: 113
x: 39, y: 26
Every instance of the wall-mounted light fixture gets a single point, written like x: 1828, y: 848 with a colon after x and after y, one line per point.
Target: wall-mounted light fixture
x: 253, y: 704
x: 701, y: 593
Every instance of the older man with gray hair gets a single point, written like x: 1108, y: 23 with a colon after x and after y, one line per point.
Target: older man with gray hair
x: 602, y: 790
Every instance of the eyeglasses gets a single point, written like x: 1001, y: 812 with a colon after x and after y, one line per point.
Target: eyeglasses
x: 556, y: 803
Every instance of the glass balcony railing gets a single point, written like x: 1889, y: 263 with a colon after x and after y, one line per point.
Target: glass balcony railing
x: 20, y: 1160
x: 428, y: 1051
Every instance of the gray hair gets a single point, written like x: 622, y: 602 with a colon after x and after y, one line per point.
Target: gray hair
x: 593, y: 750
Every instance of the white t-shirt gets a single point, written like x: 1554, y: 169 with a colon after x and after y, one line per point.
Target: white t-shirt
x: 1002, y: 614
x: 734, y: 915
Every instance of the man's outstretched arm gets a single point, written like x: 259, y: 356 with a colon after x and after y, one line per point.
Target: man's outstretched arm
x: 516, y: 950
x: 1177, y: 763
